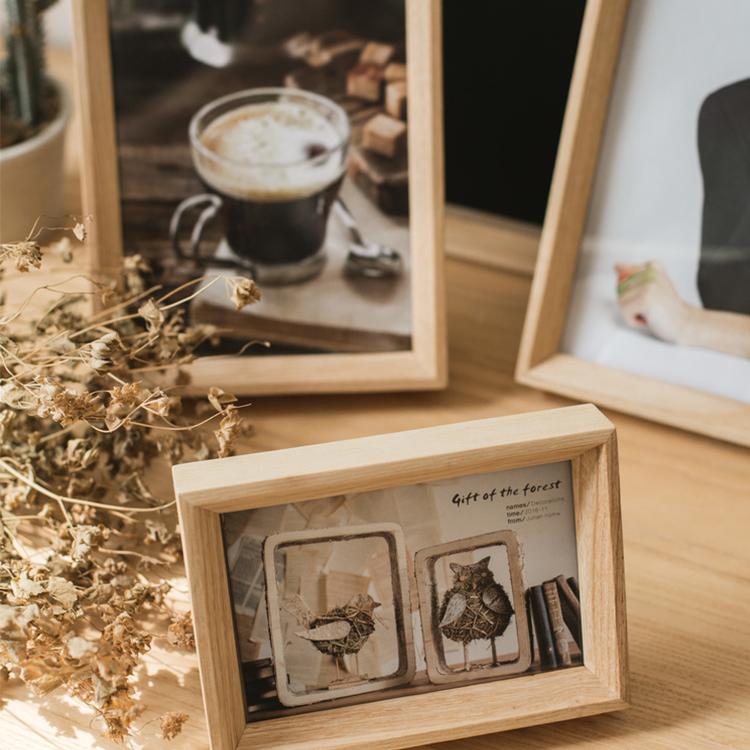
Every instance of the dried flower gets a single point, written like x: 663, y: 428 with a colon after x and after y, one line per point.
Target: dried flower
x: 25, y: 255
x: 78, y: 436
x: 219, y: 398
x: 65, y: 405
x: 152, y: 314
x: 230, y: 428
x: 171, y: 724
x: 244, y: 292
x: 180, y: 632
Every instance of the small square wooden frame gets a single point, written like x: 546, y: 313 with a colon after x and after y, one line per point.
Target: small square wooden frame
x: 424, y: 569
x: 393, y: 536
x: 580, y: 434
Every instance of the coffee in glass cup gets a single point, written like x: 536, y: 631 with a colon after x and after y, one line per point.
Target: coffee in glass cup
x: 272, y: 161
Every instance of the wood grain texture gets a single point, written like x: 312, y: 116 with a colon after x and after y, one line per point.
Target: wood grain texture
x: 390, y: 460
x: 490, y: 240
x: 203, y: 548
x: 99, y: 178
x: 676, y: 405
x: 424, y: 367
x: 580, y: 433
x: 540, y: 362
x: 575, y: 164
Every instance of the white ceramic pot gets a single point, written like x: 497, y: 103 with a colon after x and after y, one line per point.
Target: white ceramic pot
x: 31, y: 176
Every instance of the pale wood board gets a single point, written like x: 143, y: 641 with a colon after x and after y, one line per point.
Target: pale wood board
x: 497, y: 241
x: 540, y: 362
x: 424, y: 366
x: 685, y: 515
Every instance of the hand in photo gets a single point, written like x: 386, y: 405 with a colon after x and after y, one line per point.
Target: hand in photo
x: 649, y: 302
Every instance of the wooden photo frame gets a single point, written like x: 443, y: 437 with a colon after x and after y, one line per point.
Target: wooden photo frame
x: 579, y: 440
x: 543, y: 362
x: 389, y: 332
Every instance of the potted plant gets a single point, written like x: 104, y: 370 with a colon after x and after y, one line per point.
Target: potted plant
x: 34, y: 112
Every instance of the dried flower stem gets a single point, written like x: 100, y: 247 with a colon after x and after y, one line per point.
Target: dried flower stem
x: 77, y: 500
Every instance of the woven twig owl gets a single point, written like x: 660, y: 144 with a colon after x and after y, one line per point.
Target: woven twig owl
x: 342, y: 630
x: 475, y: 607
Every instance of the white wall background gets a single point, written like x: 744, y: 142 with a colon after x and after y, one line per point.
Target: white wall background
x: 58, y: 24
x: 57, y: 21
x: 647, y: 194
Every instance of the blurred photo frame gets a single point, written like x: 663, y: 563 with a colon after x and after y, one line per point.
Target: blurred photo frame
x: 352, y: 278
x: 275, y: 542
x: 640, y: 300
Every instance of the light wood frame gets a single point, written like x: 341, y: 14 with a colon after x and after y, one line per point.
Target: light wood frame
x: 540, y: 362
x: 393, y: 536
x: 424, y: 366
x: 424, y: 564
x: 580, y: 434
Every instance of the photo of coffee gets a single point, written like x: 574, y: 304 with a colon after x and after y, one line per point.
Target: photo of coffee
x: 275, y: 158
x: 275, y: 149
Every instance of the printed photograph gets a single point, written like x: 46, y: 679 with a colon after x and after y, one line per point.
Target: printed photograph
x: 381, y: 594
x: 662, y: 286
x: 269, y: 140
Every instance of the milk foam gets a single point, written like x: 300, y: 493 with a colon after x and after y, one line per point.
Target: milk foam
x: 266, y: 152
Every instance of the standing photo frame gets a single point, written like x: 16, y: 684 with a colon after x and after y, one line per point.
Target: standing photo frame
x: 637, y: 301
x: 550, y: 477
x: 353, y: 292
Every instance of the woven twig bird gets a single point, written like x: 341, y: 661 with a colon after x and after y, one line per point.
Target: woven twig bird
x: 476, y: 607
x: 342, y: 630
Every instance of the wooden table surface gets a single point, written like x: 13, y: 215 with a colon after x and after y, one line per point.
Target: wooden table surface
x: 686, y: 516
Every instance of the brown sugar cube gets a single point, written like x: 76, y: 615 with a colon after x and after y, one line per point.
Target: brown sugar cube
x: 384, y: 135
x: 375, y: 53
x: 395, y: 99
x: 395, y: 72
x: 365, y: 82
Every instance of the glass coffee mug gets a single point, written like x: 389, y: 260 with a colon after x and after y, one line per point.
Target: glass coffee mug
x: 272, y: 161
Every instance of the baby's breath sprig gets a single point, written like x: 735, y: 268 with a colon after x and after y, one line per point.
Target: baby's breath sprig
x: 86, y: 416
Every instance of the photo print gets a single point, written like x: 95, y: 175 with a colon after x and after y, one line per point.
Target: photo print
x: 372, y: 595
x: 662, y: 286
x: 269, y: 140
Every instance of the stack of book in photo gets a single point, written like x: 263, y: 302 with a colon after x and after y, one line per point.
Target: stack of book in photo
x: 555, y: 621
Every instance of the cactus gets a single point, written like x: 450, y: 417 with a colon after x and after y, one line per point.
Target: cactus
x: 24, y: 82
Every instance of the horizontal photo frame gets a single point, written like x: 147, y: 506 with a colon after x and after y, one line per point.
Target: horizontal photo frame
x: 293, y: 594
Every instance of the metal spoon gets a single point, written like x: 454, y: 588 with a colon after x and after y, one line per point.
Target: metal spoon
x: 365, y: 257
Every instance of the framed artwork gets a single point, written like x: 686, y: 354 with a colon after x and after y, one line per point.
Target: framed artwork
x: 473, y: 566
x: 641, y: 296
x: 300, y: 147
